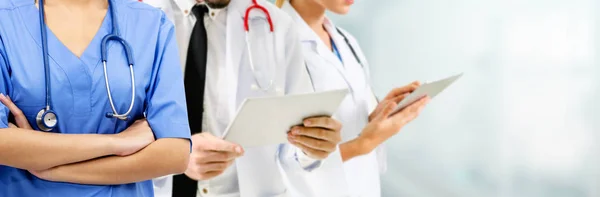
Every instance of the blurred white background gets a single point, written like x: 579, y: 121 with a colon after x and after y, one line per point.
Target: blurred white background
x: 524, y: 121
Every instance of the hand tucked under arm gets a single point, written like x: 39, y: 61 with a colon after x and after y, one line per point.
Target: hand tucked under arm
x: 162, y: 157
x: 22, y: 147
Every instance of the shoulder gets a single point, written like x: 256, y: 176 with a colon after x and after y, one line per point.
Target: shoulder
x: 7, y: 5
x: 142, y: 13
x: 278, y: 16
x: 140, y: 10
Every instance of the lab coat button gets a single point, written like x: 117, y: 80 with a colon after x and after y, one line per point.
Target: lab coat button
x: 186, y: 11
x: 205, y: 191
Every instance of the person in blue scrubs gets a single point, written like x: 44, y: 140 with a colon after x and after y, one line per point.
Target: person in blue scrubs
x: 89, y: 154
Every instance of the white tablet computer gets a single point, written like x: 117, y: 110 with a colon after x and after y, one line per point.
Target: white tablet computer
x: 266, y: 121
x: 428, y: 89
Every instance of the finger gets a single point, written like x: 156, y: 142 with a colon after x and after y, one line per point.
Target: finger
x: 215, y: 166
x: 317, y: 133
x: 11, y: 125
x: 411, y: 112
x: 313, y: 153
x: 402, y: 90
x: 313, y: 143
x: 208, y: 142
x: 215, y: 156
x: 20, y: 118
x: 323, y: 122
x: 399, y: 98
x: 386, y: 111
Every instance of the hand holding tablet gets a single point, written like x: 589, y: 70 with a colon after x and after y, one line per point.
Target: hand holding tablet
x: 428, y: 89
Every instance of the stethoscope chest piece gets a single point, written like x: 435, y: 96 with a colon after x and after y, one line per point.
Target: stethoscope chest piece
x: 46, y: 120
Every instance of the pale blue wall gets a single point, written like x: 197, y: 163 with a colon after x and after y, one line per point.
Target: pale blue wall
x: 524, y: 121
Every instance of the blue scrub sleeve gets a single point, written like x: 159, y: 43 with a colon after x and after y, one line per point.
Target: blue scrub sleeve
x: 5, y: 85
x: 166, y: 111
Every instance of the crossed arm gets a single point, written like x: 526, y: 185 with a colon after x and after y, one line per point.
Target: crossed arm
x: 162, y: 157
x: 81, y: 158
x: 29, y: 149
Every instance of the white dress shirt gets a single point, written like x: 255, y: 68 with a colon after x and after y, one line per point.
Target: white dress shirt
x: 215, y: 22
x: 217, y: 113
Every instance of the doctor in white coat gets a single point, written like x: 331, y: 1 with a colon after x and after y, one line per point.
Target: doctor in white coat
x: 334, y: 60
x: 216, y: 43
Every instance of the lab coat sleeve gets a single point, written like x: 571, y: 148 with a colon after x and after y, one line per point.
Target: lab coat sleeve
x: 298, y: 81
x: 5, y: 85
x: 166, y: 106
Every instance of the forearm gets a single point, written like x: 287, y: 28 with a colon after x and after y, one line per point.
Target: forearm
x: 162, y: 157
x: 35, y: 150
x: 356, y: 147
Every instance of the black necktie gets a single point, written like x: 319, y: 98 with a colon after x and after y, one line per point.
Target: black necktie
x: 194, y: 82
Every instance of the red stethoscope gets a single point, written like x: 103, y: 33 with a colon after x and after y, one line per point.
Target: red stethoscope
x: 255, y: 5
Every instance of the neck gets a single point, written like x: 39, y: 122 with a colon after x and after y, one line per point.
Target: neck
x: 311, y: 12
x: 78, y: 3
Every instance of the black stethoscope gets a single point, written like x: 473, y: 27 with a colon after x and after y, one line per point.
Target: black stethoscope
x: 353, y: 53
x: 46, y: 118
x: 351, y: 49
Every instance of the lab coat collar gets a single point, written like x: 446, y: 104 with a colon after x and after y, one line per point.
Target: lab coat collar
x: 306, y: 33
x: 308, y: 36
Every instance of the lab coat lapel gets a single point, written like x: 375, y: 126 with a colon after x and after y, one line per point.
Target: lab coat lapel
x: 307, y: 35
x: 330, y: 57
x: 236, y: 46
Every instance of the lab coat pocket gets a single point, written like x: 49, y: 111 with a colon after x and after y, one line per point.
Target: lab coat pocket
x: 261, y: 52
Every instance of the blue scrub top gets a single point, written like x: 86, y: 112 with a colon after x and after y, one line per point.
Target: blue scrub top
x: 78, y: 88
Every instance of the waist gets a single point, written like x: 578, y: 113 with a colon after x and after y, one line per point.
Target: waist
x: 20, y: 183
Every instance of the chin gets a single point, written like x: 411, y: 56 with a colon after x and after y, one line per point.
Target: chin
x: 341, y: 10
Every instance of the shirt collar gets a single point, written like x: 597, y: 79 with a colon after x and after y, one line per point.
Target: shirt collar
x: 187, y: 5
x: 214, y: 13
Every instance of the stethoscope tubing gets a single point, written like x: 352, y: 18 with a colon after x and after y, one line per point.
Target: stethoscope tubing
x: 45, y: 52
x: 255, y: 5
x: 42, y: 115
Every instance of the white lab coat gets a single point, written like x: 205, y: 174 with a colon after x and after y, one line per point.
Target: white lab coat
x: 261, y: 170
x: 327, y: 72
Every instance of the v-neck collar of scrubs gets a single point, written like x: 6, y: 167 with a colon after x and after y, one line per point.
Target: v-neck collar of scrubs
x: 59, y: 52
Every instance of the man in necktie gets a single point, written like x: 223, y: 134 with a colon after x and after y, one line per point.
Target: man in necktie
x: 217, y: 78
